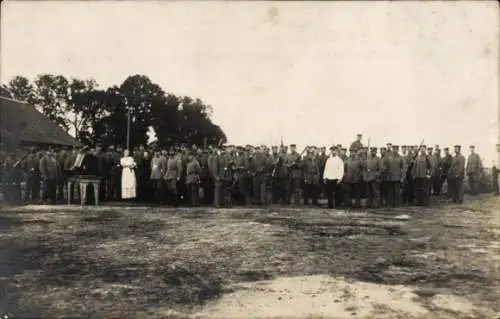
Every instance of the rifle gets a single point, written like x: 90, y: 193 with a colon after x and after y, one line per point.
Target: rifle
x: 20, y: 159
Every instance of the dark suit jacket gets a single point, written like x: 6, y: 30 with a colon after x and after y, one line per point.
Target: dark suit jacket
x: 90, y: 165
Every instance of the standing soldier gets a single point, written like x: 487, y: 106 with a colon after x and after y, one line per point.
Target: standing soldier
x: 474, y: 170
x: 421, y: 173
x: 407, y: 194
x: 383, y: 177
x: 352, y: 178
x: 172, y: 176
x: 494, y: 176
x: 371, y: 176
x: 394, y: 167
x: 223, y: 179
x: 294, y: 167
x: 50, y: 171
x: 456, y: 176
x: 432, y: 172
x: 193, y: 170
x: 280, y: 179
x: 322, y: 157
x: 343, y: 153
x: 158, y: 170
x: 61, y: 159
x: 243, y: 176
x: 273, y: 160
x: 258, y: 169
x: 311, y: 178
x: 32, y: 169
x: 438, y: 173
x: 445, y: 168
x: 357, y: 144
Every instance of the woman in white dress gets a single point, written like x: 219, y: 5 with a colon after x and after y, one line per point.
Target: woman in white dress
x: 128, y: 176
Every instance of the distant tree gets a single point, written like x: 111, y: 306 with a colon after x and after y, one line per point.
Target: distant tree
x: 52, y: 96
x: 21, y: 89
x: 140, y: 94
x: 165, y: 120
x: 84, y: 105
x: 4, y: 91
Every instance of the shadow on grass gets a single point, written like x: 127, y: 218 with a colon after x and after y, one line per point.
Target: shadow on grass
x: 8, y: 222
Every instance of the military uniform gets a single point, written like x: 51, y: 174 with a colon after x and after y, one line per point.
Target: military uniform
x: 352, y: 179
x: 474, y: 170
x: 50, y: 172
x: 311, y: 179
x: 371, y: 176
x: 438, y: 173
x: 394, y: 167
x: 259, y: 167
x: 456, y: 176
x: 193, y: 170
x: 32, y: 168
x: 445, y: 168
x: 173, y: 175
x: 243, y: 177
x: 421, y: 173
x: 294, y: 166
x: 158, y: 170
x: 223, y: 180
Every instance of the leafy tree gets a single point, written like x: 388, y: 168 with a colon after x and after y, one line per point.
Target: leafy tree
x: 52, y: 96
x: 4, y: 91
x: 84, y: 105
x: 21, y: 89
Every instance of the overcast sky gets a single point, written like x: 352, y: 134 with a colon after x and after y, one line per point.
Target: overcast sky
x: 312, y: 72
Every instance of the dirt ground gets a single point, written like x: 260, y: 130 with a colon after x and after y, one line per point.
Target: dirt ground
x: 109, y: 262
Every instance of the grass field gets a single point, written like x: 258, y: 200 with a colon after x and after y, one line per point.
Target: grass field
x: 441, y: 262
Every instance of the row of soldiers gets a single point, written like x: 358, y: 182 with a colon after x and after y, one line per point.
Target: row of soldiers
x: 255, y: 175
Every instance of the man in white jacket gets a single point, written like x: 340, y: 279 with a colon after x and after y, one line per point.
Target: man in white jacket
x: 332, y: 176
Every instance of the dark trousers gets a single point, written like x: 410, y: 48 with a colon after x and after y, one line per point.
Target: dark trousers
x: 373, y: 193
x: 495, y: 186
x: 293, y: 192
x: 193, y: 190
x: 50, y: 190
x: 222, y: 194
x: 32, y: 186
x: 393, y: 194
x: 457, y: 190
x: 421, y: 191
x: 353, y: 192
x: 383, y: 193
x: 158, y: 193
x: 279, y: 190
x: 260, y: 189
x: 208, y: 190
x: 311, y: 192
x: 115, y: 187
x: 332, y: 191
x: 408, y: 191
x: 473, y: 184
x: 12, y: 192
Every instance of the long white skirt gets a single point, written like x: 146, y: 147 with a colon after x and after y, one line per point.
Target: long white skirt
x: 128, y: 183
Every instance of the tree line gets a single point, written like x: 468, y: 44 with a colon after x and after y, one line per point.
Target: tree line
x: 100, y: 115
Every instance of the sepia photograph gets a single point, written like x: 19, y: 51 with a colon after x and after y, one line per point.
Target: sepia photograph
x: 249, y: 159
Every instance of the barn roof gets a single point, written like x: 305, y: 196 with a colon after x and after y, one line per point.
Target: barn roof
x: 18, y: 117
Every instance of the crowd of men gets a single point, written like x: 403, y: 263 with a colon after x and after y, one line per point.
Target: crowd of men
x: 223, y: 176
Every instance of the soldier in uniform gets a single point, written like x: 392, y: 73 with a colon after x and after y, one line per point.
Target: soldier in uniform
x: 158, y: 170
x: 32, y: 168
x: 383, y: 178
x: 456, y: 176
x: 294, y: 167
x: 311, y: 178
x: 357, y: 144
x: 421, y: 174
x: 322, y: 157
x: 223, y: 179
x: 407, y: 193
x: 371, y: 176
x: 193, y: 170
x: 243, y: 176
x: 433, y: 170
x: 395, y: 169
x: 352, y: 179
x: 259, y: 168
x: 280, y: 179
x: 445, y: 168
x: 343, y: 153
x: 173, y: 173
x: 474, y: 170
x: 50, y: 171
x: 438, y: 172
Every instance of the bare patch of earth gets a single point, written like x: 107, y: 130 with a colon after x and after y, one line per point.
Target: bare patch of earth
x: 439, y: 262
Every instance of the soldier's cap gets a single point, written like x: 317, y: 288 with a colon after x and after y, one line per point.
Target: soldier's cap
x: 404, y: 146
x: 396, y: 147
x: 373, y: 148
x: 333, y: 147
x: 293, y: 145
x: 344, y: 149
x: 274, y: 147
x: 446, y: 148
x: 339, y: 145
x: 359, y: 134
x: 458, y: 146
x: 436, y: 147
x: 383, y: 148
x: 472, y: 146
x: 429, y: 148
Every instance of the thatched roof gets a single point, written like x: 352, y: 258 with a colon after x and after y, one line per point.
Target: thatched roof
x: 22, y: 122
